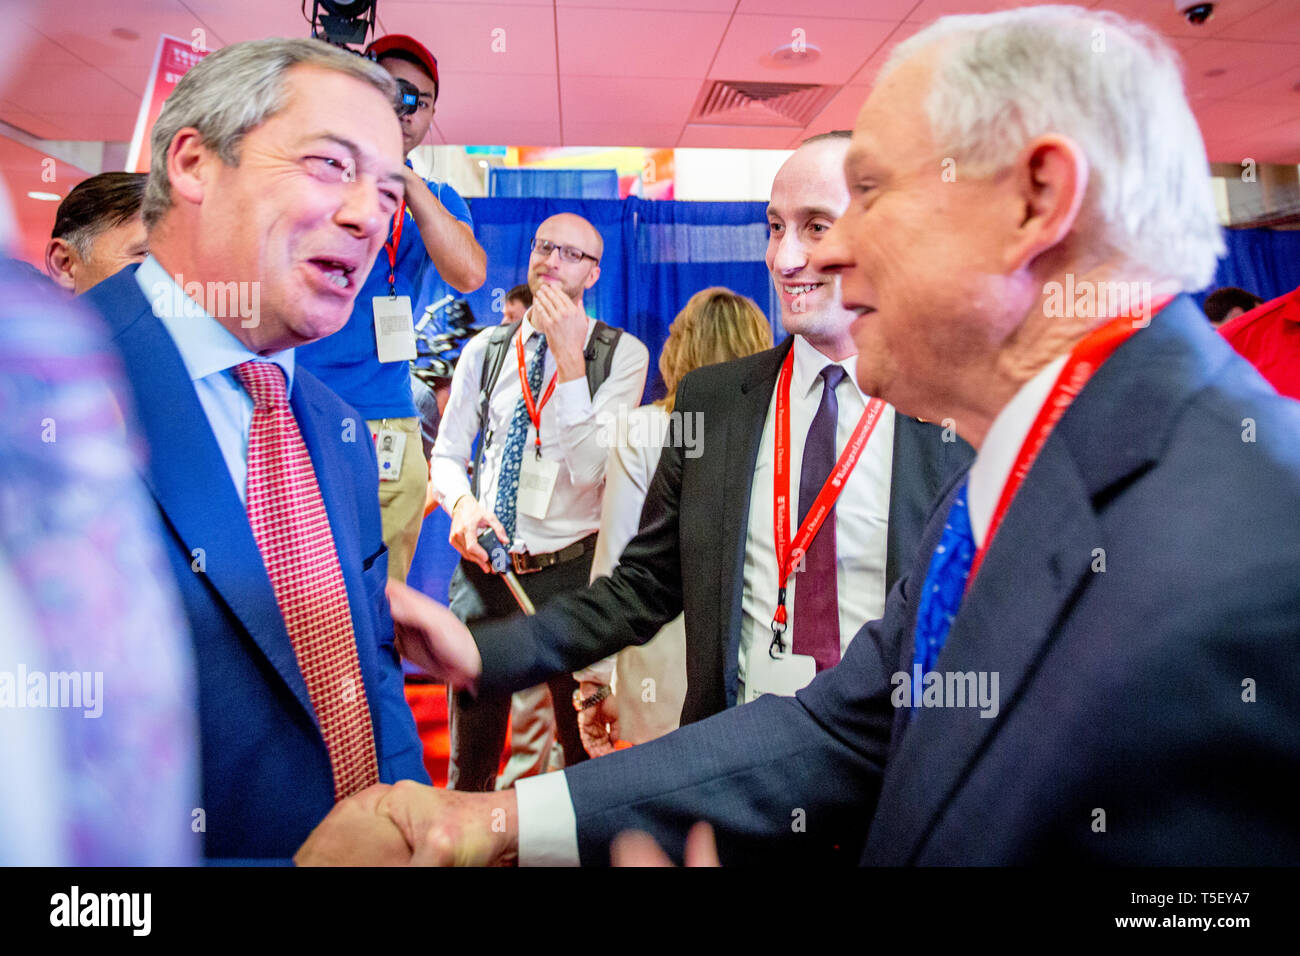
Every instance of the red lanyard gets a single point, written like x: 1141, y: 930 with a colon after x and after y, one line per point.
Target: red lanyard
x: 391, y: 247
x: 534, y: 408
x: 788, y: 553
x: 1083, y: 361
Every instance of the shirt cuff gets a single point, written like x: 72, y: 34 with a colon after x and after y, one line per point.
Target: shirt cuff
x: 449, y: 479
x: 548, y: 827
x: 573, y: 401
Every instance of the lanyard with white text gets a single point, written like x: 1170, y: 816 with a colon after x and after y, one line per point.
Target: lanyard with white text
x: 790, y: 553
x: 534, y: 407
x: 1083, y: 361
x: 391, y: 247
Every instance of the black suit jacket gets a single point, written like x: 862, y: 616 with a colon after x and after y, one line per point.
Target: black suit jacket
x: 1140, y: 608
x: 690, y: 552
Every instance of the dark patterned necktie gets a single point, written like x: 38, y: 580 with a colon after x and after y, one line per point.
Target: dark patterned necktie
x: 816, y: 602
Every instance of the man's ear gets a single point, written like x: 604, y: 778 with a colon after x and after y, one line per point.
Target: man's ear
x: 591, y: 279
x: 61, y: 264
x: 188, y: 160
x: 1050, y: 177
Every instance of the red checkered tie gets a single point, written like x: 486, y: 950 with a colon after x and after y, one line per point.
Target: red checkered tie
x: 292, y: 531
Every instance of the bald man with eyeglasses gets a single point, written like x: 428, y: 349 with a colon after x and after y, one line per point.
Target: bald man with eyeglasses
x: 540, y: 471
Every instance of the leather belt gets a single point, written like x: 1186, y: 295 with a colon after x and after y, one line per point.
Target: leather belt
x: 530, y: 563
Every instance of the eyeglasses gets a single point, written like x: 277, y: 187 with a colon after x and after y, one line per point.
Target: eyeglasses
x: 544, y: 248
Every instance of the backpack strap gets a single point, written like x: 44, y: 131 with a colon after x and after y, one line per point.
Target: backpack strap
x: 494, y: 356
x: 600, y: 354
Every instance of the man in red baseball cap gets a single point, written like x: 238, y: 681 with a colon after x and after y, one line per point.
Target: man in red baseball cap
x: 366, y: 362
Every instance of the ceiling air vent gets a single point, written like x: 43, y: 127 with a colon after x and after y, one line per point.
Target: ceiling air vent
x: 739, y: 103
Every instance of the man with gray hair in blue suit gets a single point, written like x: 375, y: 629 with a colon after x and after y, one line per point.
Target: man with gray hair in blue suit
x: 276, y: 166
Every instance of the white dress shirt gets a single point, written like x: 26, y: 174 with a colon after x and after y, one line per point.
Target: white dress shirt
x: 210, y: 353
x: 861, y: 513
x: 548, y: 827
x: 571, y: 434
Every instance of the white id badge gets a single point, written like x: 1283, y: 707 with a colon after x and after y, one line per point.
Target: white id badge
x: 394, y: 328
x: 536, y: 482
x: 783, y: 676
x: 389, y: 446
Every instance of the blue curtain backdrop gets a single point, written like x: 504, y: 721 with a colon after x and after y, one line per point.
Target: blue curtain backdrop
x: 658, y: 254
x: 1263, y: 261
x: 556, y: 183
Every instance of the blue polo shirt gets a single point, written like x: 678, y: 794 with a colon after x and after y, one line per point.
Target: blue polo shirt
x: 348, y: 361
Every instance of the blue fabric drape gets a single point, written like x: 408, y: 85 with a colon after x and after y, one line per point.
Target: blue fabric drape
x: 1263, y: 261
x: 553, y: 183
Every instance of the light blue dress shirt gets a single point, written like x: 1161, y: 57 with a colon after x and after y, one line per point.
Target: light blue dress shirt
x: 210, y: 354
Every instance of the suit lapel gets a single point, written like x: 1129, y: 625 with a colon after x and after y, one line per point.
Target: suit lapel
x: 188, y: 478
x: 739, y: 456
x: 1039, y: 565
x: 1045, y: 547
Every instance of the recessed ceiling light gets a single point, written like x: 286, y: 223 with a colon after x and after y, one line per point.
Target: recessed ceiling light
x: 48, y: 197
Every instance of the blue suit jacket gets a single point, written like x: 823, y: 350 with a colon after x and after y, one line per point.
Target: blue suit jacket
x: 266, y: 773
x: 1147, y: 711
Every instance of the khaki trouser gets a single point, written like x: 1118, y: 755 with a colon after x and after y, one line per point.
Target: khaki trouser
x: 401, y: 502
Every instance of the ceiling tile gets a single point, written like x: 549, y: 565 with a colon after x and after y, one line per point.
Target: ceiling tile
x: 1245, y: 64
x: 124, y: 33
x: 638, y: 42
x: 235, y: 20
x: 739, y: 137
x: 587, y: 99
x: 848, y: 9
x: 844, y: 44
x: 867, y: 75
x: 841, y: 112
x: 657, y: 6
x: 479, y: 37
x: 1162, y: 15
x: 488, y: 131
x: 654, y: 136
x: 503, y: 99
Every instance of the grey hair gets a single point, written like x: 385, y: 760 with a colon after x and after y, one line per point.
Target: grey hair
x: 234, y: 90
x: 1112, y: 86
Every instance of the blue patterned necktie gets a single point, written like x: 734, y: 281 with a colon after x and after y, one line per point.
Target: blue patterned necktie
x: 941, y: 594
x: 513, y: 455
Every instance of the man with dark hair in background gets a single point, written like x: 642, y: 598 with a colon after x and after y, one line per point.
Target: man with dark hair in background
x: 518, y: 301
x: 366, y: 362
x: 97, y: 231
x: 1224, y: 305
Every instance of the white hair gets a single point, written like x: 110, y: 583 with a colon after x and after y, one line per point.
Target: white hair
x: 1112, y: 86
x: 234, y: 90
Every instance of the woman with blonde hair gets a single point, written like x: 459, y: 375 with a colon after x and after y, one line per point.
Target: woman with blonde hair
x: 636, y: 695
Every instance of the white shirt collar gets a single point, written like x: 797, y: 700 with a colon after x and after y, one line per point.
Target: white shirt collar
x: 992, y: 466
x: 808, y: 365
x: 206, y: 346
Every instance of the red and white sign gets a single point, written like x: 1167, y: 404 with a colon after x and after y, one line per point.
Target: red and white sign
x: 173, y: 59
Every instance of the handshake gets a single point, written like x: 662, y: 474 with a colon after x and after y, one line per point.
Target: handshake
x: 409, y: 824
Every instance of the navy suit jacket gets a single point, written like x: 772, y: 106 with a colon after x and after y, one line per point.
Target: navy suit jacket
x: 689, y: 554
x: 266, y: 772
x: 1141, y: 608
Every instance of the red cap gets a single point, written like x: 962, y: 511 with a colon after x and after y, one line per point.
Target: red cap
x: 401, y: 43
